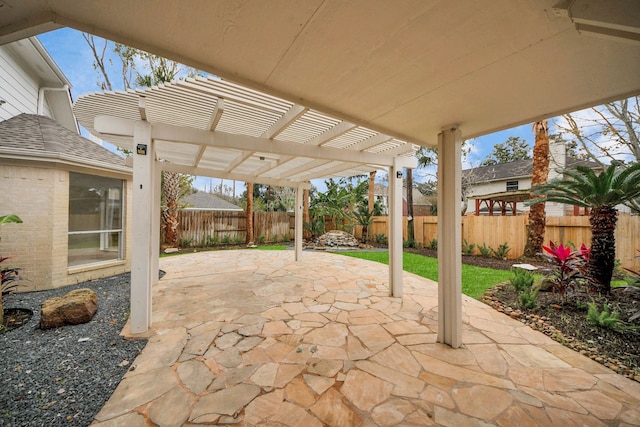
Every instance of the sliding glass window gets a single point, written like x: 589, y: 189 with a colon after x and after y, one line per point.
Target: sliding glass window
x: 95, y: 219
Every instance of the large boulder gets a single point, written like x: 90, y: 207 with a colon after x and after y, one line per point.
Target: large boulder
x: 76, y: 307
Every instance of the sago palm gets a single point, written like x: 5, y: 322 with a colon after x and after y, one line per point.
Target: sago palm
x: 601, y: 193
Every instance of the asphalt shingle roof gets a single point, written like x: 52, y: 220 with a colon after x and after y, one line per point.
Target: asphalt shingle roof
x: 515, y: 169
x: 207, y: 201
x: 43, y: 135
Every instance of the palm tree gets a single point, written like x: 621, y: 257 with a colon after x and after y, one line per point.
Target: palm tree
x: 601, y: 193
x: 537, y: 214
x: 170, y: 196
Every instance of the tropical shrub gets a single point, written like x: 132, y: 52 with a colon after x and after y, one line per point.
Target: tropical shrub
x: 381, y: 239
x: 607, y: 318
x: 528, y: 298
x: 485, y: 250
x: 570, y: 267
x: 502, y: 251
x: 467, y: 248
x: 8, y: 277
x: 522, y: 279
x: 409, y: 243
x: 601, y: 193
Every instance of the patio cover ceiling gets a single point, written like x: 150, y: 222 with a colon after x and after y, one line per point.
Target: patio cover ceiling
x: 211, y: 127
x: 407, y: 68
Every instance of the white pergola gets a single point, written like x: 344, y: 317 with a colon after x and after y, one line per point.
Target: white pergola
x: 211, y: 127
x: 428, y: 72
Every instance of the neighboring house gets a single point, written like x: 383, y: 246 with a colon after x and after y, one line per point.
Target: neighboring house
x: 421, y: 204
x: 203, y: 201
x: 502, y: 189
x: 72, y: 195
x: 31, y: 82
x: 381, y: 195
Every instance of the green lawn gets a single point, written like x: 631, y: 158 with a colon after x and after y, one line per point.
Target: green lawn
x: 270, y: 247
x: 475, y: 280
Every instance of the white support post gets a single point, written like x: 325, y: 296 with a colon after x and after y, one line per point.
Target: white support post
x: 141, y: 263
x: 155, y: 229
x: 298, y: 221
x: 449, y: 238
x: 395, y: 231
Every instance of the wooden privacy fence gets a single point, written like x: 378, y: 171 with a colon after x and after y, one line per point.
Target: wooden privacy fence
x: 496, y: 230
x: 204, y: 228
x: 208, y: 228
x: 273, y: 226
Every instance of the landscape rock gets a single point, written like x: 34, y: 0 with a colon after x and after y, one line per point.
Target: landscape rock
x: 336, y: 239
x: 78, y: 306
x: 544, y: 284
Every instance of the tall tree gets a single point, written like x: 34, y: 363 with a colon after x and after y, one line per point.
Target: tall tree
x: 609, y: 132
x: 250, y: 236
x: 601, y: 193
x: 156, y: 70
x: 537, y: 213
x: 99, y: 60
x: 428, y: 160
x: 511, y: 150
x: 306, y: 219
x: 411, y: 236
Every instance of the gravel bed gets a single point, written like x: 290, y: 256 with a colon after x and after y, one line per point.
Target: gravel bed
x: 63, y: 376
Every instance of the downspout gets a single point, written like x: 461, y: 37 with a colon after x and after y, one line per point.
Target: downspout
x: 41, y: 96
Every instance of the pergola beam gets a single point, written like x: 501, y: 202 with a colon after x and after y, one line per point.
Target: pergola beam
x: 285, y: 121
x: 216, y: 115
x: 339, y: 129
x: 242, y: 157
x: 274, y: 164
x: 173, y: 167
x: 371, y: 142
x: 327, y: 172
x: 305, y: 167
x: 108, y: 125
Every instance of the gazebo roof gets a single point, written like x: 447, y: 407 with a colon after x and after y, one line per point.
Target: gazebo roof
x: 212, y: 127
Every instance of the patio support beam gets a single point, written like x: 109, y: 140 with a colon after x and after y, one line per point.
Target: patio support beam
x: 449, y: 238
x: 228, y: 175
x: 395, y: 231
x: 298, y: 221
x: 142, y: 222
x: 108, y: 125
x: 155, y: 229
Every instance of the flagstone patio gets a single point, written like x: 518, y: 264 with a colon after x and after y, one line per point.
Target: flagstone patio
x: 253, y: 338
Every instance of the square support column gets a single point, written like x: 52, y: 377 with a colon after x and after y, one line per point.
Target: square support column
x: 395, y: 231
x: 449, y: 238
x: 143, y: 205
x: 155, y: 229
x: 299, y: 222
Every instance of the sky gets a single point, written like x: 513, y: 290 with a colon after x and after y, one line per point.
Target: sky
x: 72, y: 54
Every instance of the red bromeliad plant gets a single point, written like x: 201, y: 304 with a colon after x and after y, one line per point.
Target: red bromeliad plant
x: 570, y: 266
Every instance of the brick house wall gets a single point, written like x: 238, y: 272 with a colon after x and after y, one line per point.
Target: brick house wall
x: 39, y: 195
